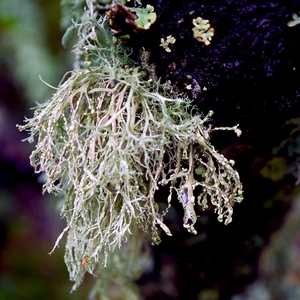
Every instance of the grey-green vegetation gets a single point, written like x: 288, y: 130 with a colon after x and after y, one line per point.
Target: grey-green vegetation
x: 109, y: 138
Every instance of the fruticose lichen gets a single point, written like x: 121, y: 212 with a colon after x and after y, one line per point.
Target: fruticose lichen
x: 109, y: 139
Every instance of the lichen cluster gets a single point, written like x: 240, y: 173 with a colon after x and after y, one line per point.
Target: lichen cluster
x: 202, y: 31
x: 109, y: 139
x: 165, y: 43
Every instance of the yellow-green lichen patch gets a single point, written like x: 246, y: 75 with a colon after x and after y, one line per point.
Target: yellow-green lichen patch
x: 202, y: 31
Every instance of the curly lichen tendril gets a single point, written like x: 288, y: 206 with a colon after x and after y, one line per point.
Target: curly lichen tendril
x: 109, y: 138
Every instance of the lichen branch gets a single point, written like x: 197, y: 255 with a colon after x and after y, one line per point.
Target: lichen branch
x: 110, y: 139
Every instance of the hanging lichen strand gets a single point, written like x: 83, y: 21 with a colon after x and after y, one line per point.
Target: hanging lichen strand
x: 109, y: 138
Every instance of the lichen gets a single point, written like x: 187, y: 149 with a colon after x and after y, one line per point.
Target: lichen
x: 202, y: 31
x: 110, y: 138
x: 295, y: 21
x: 165, y: 43
x: 125, y: 21
x: 145, y: 17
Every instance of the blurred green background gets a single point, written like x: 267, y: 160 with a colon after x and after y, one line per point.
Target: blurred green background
x: 30, y: 46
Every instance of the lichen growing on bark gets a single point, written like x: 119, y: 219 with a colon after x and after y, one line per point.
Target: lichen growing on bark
x: 110, y: 138
x: 202, y: 31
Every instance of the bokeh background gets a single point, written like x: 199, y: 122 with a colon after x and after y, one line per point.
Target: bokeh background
x: 256, y: 257
x: 30, y: 47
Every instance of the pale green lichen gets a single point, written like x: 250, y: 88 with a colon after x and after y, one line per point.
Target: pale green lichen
x: 165, y: 43
x: 109, y: 139
x: 145, y: 17
x: 202, y: 31
x: 295, y: 21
